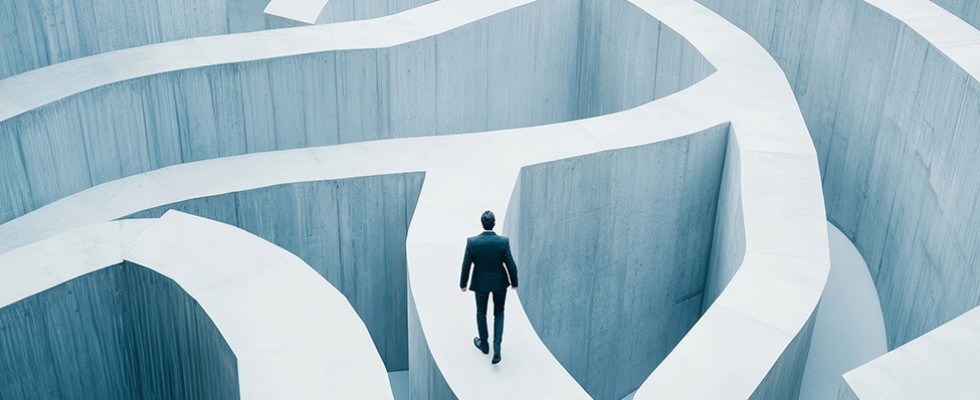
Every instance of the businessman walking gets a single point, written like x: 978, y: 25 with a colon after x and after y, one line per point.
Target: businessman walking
x: 495, y: 270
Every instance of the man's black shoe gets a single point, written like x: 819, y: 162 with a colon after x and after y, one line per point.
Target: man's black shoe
x: 485, y: 348
x: 496, y: 358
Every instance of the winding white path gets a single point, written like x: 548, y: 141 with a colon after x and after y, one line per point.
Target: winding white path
x: 768, y: 301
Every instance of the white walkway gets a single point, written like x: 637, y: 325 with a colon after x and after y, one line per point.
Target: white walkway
x: 850, y: 329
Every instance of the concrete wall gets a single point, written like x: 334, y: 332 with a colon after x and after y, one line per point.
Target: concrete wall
x: 112, y: 334
x: 785, y: 378
x: 845, y: 392
x: 613, y: 250
x: 425, y: 378
x: 37, y: 33
x: 349, y: 10
x: 893, y: 121
x: 351, y: 231
x: 480, y: 77
x: 967, y: 10
x: 627, y: 58
x: 728, y: 243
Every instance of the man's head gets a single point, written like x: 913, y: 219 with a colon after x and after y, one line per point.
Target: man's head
x: 488, y: 220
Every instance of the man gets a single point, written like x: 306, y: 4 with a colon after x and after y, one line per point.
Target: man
x: 491, y: 253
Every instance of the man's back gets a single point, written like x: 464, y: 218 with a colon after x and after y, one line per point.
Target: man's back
x: 494, y: 265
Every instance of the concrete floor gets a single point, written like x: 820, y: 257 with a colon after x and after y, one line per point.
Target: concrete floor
x: 849, y: 330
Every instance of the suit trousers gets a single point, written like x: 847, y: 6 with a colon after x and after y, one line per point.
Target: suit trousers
x: 499, y: 296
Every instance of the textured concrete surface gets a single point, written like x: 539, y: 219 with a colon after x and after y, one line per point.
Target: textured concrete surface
x: 399, y: 385
x: 109, y: 335
x: 779, y: 253
x: 34, y: 34
x: 106, y: 332
x: 131, y: 115
x: 270, y: 308
x: 350, y: 10
x: 890, y: 93
x: 967, y: 10
x: 351, y: 231
x: 772, y: 295
x: 330, y: 11
x: 617, y: 246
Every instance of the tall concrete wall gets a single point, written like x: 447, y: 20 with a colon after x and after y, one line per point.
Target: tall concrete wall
x: 614, y: 249
x: 483, y: 76
x: 785, y: 378
x: 627, y: 58
x: 967, y: 10
x: 892, y: 119
x: 37, y: 33
x: 728, y: 243
x: 351, y: 231
x: 349, y: 10
x: 110, y: 334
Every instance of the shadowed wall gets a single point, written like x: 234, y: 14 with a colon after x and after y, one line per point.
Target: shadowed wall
x: 483, y: 76
x: 894, y: 122
x: 351, y: 231
x: 122, y: 332
x: 613, y: 250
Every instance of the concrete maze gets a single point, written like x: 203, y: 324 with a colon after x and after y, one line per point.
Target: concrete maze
x: 712, y: 199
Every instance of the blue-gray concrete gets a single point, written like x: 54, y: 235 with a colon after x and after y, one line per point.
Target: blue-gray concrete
x: 786, y: 377
x: 626, y: 58
x: 728, y: 242
x: 967, y: 10
x: 616, y: 247
x: 351, y: 231
x: 121, y: 332
x: 350, y: 10
x: 37, y: 33
x: 772, y: 289
x: 892, y: 119
x: 482, y: 76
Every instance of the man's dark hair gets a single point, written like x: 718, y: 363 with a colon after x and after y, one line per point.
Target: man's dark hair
x: 488, y: 220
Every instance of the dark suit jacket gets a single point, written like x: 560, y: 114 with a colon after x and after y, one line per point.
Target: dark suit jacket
x: 490, y: 253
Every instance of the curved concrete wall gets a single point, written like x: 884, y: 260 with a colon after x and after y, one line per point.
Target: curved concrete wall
x: 351, y: 231
x: 967, y: 10
x: 109, y: 334
x: 349, y: 10
x: 37, y: 33
x: 891, y: 117
x: 617, y: 246
x: 273, y: 311
x: 481, y: 76
x: 767, y: 301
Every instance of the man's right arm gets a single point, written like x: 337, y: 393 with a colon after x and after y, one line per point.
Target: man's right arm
x: 511, y: 266
x: 464, y: 277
